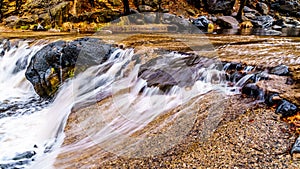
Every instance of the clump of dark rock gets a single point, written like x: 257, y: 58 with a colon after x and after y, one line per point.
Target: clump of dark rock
x: 272, y: 99
x: 252, y: 90
x: 201, y: 22
x: 296, y: 146
x: 56, y: 62
x: 281, y: 70
x: 25, y: 155
x: 286, y: 109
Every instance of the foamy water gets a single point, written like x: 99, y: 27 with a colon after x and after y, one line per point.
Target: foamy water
x: 133, y: 106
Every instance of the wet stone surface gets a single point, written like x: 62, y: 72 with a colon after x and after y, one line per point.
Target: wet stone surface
x: 16, y: 108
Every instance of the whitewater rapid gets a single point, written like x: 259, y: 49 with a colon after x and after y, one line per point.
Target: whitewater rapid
x: 133, y: 106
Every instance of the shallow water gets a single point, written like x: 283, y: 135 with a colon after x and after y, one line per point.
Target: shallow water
x: 125, y: 106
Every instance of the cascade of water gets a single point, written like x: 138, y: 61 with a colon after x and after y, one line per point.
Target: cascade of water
x: 132, y: 106
x: 12, y: 67
x: 243, y: 80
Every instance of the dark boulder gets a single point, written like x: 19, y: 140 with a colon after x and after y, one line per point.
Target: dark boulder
x: 286, y: 108
x: 252, y: 90
x: 281, y: 70
x: 165, y: 72
x: 56, y: 62
x: 201, y: 22
x: 272, y: 99
x: 228, y: 22
x: 236, y: 76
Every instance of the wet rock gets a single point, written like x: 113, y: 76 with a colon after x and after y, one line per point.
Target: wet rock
x: 263, y: 21
x: 201, y: 22
x: 150, y: 18
x: 252, y: 90
x: 5, y: 44
x: 227, y: 22
x: 55, y: 62
x: 236, y: 76
x: 165, y: 72
x: 233, y: 66
x: 20, y: 65
x: 224, y: 6
x: 262, y: 8
x: 168, y: 18
x: 290, y: 7
x: 25, y: 155
x: 296, y: 146
x: 289, y: 81
x: 281, y: 70
x: 272, y: 99
x: 286, y: 108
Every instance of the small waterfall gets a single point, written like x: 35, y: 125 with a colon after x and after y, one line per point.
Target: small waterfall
x: 12, y: 67
x: 124, y: 105
x: 133, y: 105
x: 243, y: 80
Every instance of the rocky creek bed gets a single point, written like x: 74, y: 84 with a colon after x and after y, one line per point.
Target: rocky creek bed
x: 256, y: 128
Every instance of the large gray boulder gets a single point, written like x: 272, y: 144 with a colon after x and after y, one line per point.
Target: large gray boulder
x: 58, y: 61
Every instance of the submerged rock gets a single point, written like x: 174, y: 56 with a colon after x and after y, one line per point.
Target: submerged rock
x: 272, y: 99
x: 56, y: 62
x: 25, y: 155
x: 252, y: 90
x: 281, y: 70
x: 296, y: 147
x: 286, y: 108
x: 201, y: 22
x: 165, y: 72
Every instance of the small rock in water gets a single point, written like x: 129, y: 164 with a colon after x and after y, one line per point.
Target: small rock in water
x: 296, y: 147
x: 235, y: 77
x: 27, y: 154
x: 272, y: 99
x: 281, y: 70
x: 252, y: 90
x: 289, y: 81
x: 201, y: 22
x: 286, y: 109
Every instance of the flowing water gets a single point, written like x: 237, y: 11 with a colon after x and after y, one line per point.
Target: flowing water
x: 32, y: 130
